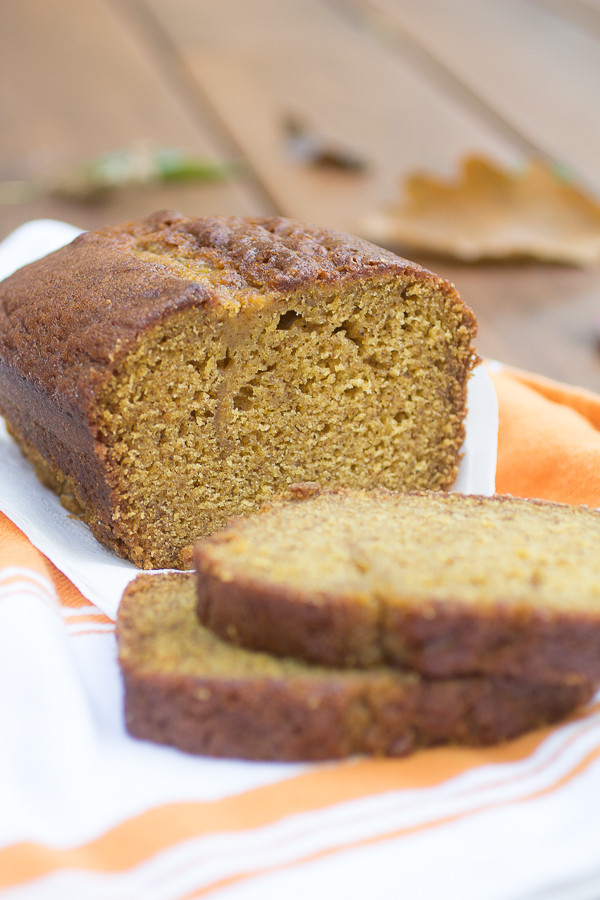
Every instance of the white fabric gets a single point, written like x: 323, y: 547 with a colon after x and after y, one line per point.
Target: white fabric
x: 69, y: 773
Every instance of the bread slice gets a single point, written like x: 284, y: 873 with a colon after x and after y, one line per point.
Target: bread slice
x: 167, y: 374
x: 187, y: 688
x: 444, y: 584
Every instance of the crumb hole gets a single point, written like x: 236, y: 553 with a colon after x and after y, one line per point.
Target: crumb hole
x: 352, y: 332
x: 243, y: 399
x: 288, y: 320
x: 351, y: 391
x: 225, y: 361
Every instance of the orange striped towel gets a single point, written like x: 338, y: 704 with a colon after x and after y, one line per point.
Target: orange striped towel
x: 549, y: 441
x: 88, y: 812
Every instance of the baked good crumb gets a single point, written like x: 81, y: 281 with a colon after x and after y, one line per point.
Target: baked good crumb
x: 186, y: 688
x: 442, y: 583
x: 165, y: 375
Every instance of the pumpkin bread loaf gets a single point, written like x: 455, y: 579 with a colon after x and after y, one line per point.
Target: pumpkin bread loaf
x: 443, y: 584
x: 187, y: 688
x: 168, y: 374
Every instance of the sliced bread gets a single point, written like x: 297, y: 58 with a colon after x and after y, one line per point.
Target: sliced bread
x: 187, y: 688
x: 444, y: 584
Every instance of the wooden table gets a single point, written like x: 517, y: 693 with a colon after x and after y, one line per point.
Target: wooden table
x: 406, y: 84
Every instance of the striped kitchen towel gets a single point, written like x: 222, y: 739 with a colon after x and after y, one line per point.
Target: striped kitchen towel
x: 88, y: 812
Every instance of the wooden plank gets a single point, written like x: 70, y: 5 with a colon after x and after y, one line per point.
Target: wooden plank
x: 393, y: 102
x: 539, y: 73
x: 76, y: 80
x: 258, y: 62
x: 543, y: 318
x: 583, y: 13
x: 591, y: 7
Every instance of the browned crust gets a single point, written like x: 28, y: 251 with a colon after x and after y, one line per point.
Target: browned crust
x: 90, y: 300
x: 267, y: 253
x: 67, y: 321
x: 439, y: 639
x: 86, y: 493
x: 278, y: 722
x: 315, y: 714
x: 329, y: 629
x: 449, y: 641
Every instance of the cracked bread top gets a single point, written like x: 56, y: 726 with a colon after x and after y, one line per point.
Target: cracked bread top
x: 66, y: 320
x: 243, y: 257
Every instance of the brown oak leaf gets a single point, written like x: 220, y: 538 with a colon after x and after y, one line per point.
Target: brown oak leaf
x: 491, y: 213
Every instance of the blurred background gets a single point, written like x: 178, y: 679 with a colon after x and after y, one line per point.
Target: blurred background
x: 319, y: 110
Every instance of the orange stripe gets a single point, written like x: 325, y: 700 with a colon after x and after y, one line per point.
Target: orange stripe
x: 142, y: 836
x: 16, y: 550
x: 397, y: 833
x: 98, y: 618
x: 30, y: 586
x: 21, y: 578
x: 68, y: 594
x: 350, y: 818
x: 27, y: 586
x: 75, y: 634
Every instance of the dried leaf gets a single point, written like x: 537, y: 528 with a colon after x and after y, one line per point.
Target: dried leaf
x: 130, y: 167
x: 489, y: 213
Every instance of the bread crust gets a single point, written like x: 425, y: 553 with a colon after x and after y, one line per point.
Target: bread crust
x: 68, y: 322
x: 438, y: 636
x: 86, y: 303
x: 185, y: 688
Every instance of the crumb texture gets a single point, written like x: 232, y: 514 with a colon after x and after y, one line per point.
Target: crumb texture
x: 197, y: 367
x: 187, y: 688
x: 447, y: 583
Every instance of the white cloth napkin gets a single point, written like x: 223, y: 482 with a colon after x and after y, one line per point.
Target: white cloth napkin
x: 97, y: 572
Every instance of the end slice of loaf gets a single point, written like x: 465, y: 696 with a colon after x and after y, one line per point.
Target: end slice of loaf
x: 444, y: 584
x: 186, y: 688
x: 168, y: 374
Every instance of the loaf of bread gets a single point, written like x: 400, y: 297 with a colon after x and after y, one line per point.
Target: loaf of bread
x: 186, y: 688
x: 165, y: 375
x: 443, y: 584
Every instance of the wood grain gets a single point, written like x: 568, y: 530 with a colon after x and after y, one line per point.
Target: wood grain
x: 543, y: 318
x: 538, y: 72
x: 259, y: 62
x: 405, y: 84
x: 76, y: 81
